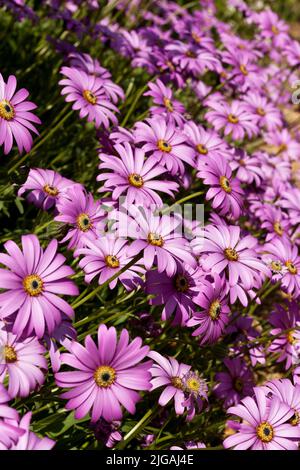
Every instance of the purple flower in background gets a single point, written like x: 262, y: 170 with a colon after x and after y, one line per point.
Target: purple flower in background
x: 283, y: 144
x: 288, y: 393
x: 9, y: 433
x: 107, y: 432
x: 107, y: 375
x: 236, y: 383
x: 15, y: 116
x: 29, y: 440
x: 165, y: 103
x: 268, y: 115
x: 32, y: 281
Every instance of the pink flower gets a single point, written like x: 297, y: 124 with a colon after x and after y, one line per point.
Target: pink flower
x: 15, y: 118
x: 166, y: 105
x: 9, y: 432
x: 106, y: 375
x: 29, y: 440
x: 31, y: 283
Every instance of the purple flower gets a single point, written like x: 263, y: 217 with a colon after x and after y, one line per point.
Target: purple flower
x: 235, y: 384
x: 106, y: 375
x: 166, y: 104
x: 193, y: 59
x: 107, y: 432
x: 15, y: 118
x: 135, y: 176
x: 165, y: 142
x: 268, y: 115
x: 195, y: 389
x: 288, y: 393
x: 29, y: 440
x: 265, y: 424
x: 9, y: 433
x: 31, y: 282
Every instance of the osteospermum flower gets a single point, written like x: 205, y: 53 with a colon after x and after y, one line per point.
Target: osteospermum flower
x: 29, y: 440
x: 107, y: 375
x: 265, y: 424
x: 288, y: 393
x: 22, y: 361
x: 133, y: 175
x: 9, y: 433
x: 84, y: 215
x: 225, y: 191
x: 15, y: 116
x: 195, y: 389
x: 45, y: 187
x: 31, y: 282
x: 169, y: 372
x: 212, y: 320
x: 165, y: 143
x: 89, y: 96
x: 165, y: 102
x: 236, y: 383
x: 106, y: 256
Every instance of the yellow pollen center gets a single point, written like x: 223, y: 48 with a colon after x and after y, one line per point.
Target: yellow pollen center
x: 275, y: 30
x: 191, y: 54
x: 105, y: 376
x: 238, y: 385
x: 215, y: 310
x: 260, y: 111
x: 278, y: 228
x: 135, y: 180
x: 233, y: 119
x: 7, y: 110
x: 51, y: 190
x: 112, y: 261
x: 276, y: 266
x: 196, y: 38
x: 282, y: 148
x: 290, y: 337
x: 193, y: 384
x: 155, y: 239
x: 181, y: 283
x: 243, y: 69
x: 33, y: 285
x: 295, y: 419
x: 225, y: 184
x: 89, y: 96
x: 231, y: 254
x: 265, y: 431
x: 201, y: 149
x: 177, y: 382
x: 168, y: 104
x: 10, y: 354
x: 291, y: 267
x: 164, y: 146
x: 83, y: 222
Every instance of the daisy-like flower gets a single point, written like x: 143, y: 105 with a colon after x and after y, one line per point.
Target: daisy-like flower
x: 165, y: 142
x: 288, y: 393
x: 31, y: 282
x: 45, y: 187
x: 106, y: 256
x: 9, y: 433
x: 268, y: 115
x: 274, y: 221
x: 265, y: 424
x: 157, y: 237
x: 284, y: 144
x: 85, y: 216
x: 195, y: 389
x: 212, y: 321
x: 290, y: 202
x: 23, y: 362
x: 285, y: 255
x: 248, y: 168
x: 165, y: 103
x: 286, y: 323
x: 29, y: 440
x: 193, y: 59
x: 106, y: 375
x: 176, y: 293
x: 168, y: 372
x: 89, y: 96
x: 15, y: 116
x: 236, y: 383
x: 226, y: 251
x: 225, y: 191
x: 131, y: 174
x: 234, y: 118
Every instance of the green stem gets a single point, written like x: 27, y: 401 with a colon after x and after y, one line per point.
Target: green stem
x: 138, y: 427
x: 180, y: 201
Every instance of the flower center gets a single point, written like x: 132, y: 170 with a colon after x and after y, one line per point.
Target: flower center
x: 177, y: 382
x: 260, y: 111
x: 238, y: 385
x: 276, y: 266
x: 89, y: 96
x: 10, y: 354
x: 196, y: 38
x: 275, y: 30
x: 195, y: 385
x: 83, y: 222
x: 155, y: 239
x: 51, y: 190
x: 291, y: 267
x: 231, y: 254
x: 278, y: 228
x: 164, y: 146
x: 282, y: 148
x: 295, y: 419
x: 243, y: 69
x: 191, y: 54
x: 168, y: 104
x: 112, y: 261
x: 290, y: 337
x: 135, y: 180
x: 33, y: 285
x: 201, y: 149
x: 215, y: 310
x: 181, y: 283
x: 225, y: 184
x: 7, y: 110
x: 265, y: 431
x: 233, y: 119
x: 105, y: 376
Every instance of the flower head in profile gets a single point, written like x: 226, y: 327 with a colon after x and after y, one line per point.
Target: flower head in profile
x: 106, y: 375
x: 15, y: 116
x: 131, y: 175
x: 32, y: 281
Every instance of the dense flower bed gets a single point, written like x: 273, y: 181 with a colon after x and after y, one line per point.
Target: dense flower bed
x: 150, y: 214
